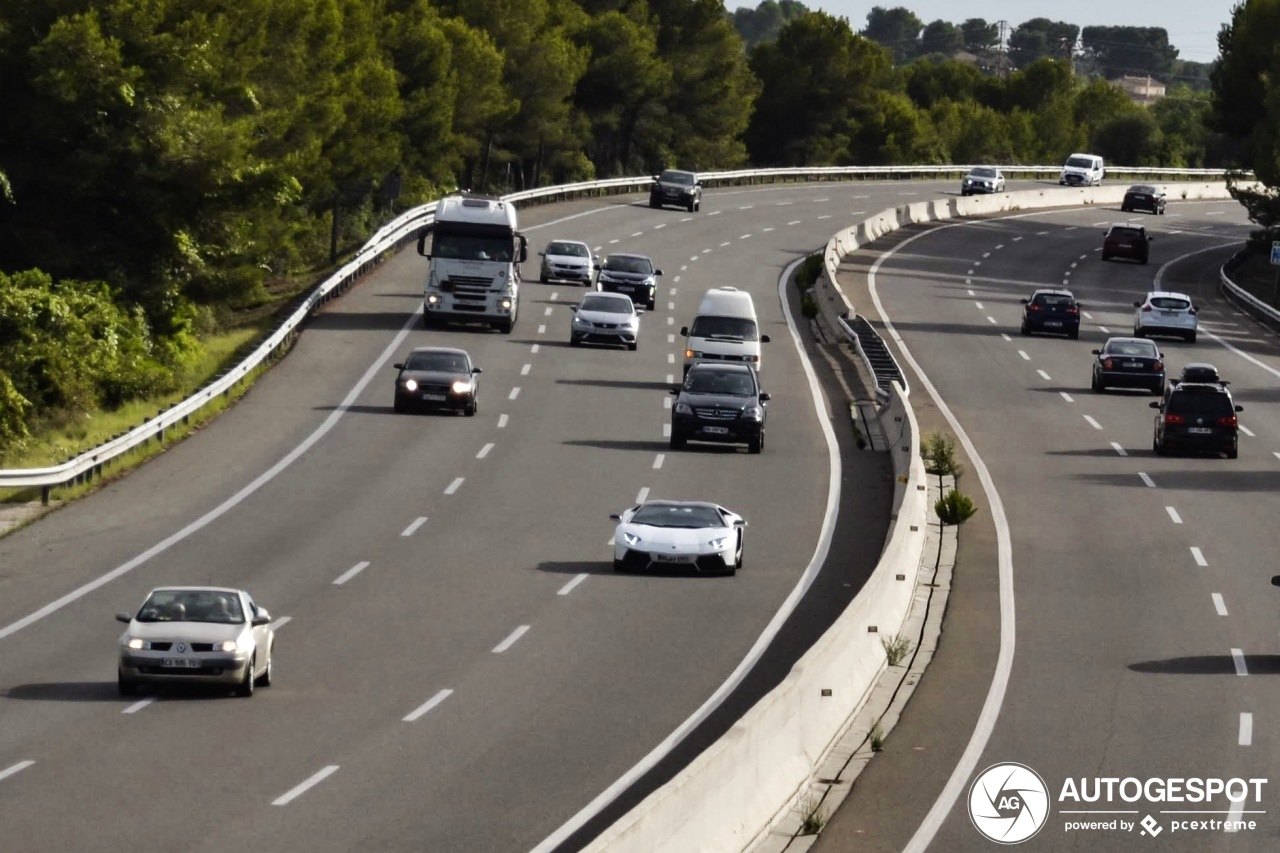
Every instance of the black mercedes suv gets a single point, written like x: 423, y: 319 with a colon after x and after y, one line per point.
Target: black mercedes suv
x: 721, y: 403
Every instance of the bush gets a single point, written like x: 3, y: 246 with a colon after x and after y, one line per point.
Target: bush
x: 954, y: 508
x: 808, y: 305
x: 939, y: 452
x: 810, y: 270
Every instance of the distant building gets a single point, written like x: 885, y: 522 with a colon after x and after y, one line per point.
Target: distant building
x: 1143, y: 90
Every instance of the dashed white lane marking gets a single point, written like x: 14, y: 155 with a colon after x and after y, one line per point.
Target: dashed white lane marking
x: 1213, y: 213
x: 568, y: 588
x: 666, y: 430
x: 999, y: 246
x: 1089, y: 420
x: 131, y: 709
x: 745, y: 237
x: 1173, y: 515
x: 1045, y: 376
x: 1104, y: 330
x: 684, y: 267
x: 352, y: 572
x: 1198, y: 556
x: 1150, y: 484
x: 825, y: 216
x: 1234, y: 814
x: 687, y: 219
x: 638, y: 234
x: 502, y: 421
x: 1218, y: 604
x: 428, y: 705
x: 547, y: 313
x: 533, y: 350
x: 511, y: 639
x: 1073, y: 227
x: 524, y: 371
x: 671, y: 338
x: 658, y: 460
x: 1246, y: 431
x: 413, y: 526
x: 453, y: 487
x: 1065, y: 396
x: 708, y: 251
x: 1237, y: 657
x: 1016, y: 239
x: 484, y: 451
x: 15, y: 768
x: 281, y: 622
x: 515, y: 392
x: 671, y: 358
x: 991, y: 320
x: 794, y: 222
x: 1100, y: 224
x: 694, y: 258
x: 782, y: 203
x: 310, y: 783
x: 1086, y: 315
x: 766, y: 230
x: 1074, y: 264
x: 714, y: 213
x: 1276, y: 453
x: 971, y: 293
x: 666, y: 402
x: 671, y: 306
x: 986, y: 254
x: 1005, y: 335
x: 1246, y: 729
x: 1023, y: 354
x: 642, y: 495
x: 555, y: 295
x: 1041, y: 233
x: 671, y: 379
x: 722, y: 245
x: 1120, y: 451
x: 671, y: 321
x: 542, y: 329
x: 979, y: 306
x: 610, y: 543
x: 673, y: 290
x: 659, y: 225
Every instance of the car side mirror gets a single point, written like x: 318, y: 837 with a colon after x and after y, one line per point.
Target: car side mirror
x: 1149, y: 239
x: 477, y: 370
x: 657, y: 272
x: 639, y: 311
x: 1275, y: 580
x: 1137, y: 305
x: 398, y: 365
x: 542, y: 254
x: 124, y: 617
x: 1160, y: 354
x: 1154, y: 404
x: 684, y: 330
x: 764, y: 397
x: 1096, y: 351
x: 615, y: 516
x: 598, y: 266
x: 1025, y: 301
x: 573, y: 307
x: 764, y: 339
x: 422, y: 243
x: 263, y: 618
x: 742, y: 522
x: 1239, y: 408
x: 674, y: 391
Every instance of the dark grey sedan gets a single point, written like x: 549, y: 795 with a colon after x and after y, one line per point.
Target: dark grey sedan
x: 1128, y: 363
x: 440, y: 378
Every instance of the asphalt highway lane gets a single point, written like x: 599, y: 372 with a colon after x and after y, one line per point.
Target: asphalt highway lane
x: 458, y: 666
x: 1145, y: 622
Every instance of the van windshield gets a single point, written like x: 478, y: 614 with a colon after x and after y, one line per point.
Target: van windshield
x: 1080, y: 162
x: 732, y: 328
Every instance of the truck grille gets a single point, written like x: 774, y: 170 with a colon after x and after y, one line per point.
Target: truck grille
x: 467, y: 284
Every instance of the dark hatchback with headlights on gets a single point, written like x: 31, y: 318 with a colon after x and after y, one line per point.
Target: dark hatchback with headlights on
x: 1052, y: 311
x: 676, y: 187
x: 1197, y: 417
x: 721, y: 403
x: 437, y: 378
x: 1128, y: 363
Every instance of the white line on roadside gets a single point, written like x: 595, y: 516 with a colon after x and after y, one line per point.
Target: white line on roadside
x: 428, y: 705
x: 139, y: 705
x: 515, y: 392
x: 642, y: 495
x: 502, y: 421
x: 413, y: 526
x: 555, y: 294
x: 547, y: 313
x: 1024, y: 355
x: 524, y: 370
x: 978, y: 305
x: 671, y: 338
x: 666, y: 430
x: 1005, y: 335
x: 533, y: 349
x: 1244, y: 429
x: 1198, y: 556
x: 511, y: 640
x: 315, y: 779
x: 484, y: 451
x: 1218, y: 604
x: 1150, y: 483
x: 1066, y: 396
x: 991, y: 320
x: 1120, y: 451
x: 542, y: 329
x: 657, y: 462
x: 1045, y: 376
x: 15, y: 768
x: 794, y: 222
x: 577, y: 579
x: 1093, y: 423
x: 352, y: 572
x: 1246, y: 728
x: 1173, y: 515
x: 1104, y: 330
x: 1237, y: 657
x: 453, y: 487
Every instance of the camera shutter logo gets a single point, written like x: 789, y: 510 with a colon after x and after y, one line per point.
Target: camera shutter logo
x: 1008, y: 803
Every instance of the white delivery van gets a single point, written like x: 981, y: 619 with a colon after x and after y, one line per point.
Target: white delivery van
x: 725, y: 330
x: 1082, y: 170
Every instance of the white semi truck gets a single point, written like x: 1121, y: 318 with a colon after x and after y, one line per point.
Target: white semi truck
x: 476, y: 251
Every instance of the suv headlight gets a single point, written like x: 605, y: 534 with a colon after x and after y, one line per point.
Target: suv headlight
x: 683, y: 409
x: 753, y: 413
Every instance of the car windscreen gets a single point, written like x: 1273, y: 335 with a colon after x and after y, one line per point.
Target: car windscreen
x: 1169, y: 303
x: 983, y: 173
x: 168, y: 605
x: 1193, y: 403
x: 572, y: 250
x: 725, y: 328
x: 441, y: 362
x: 684, y: 179
x: 678, y: 516
x: 735, y: 384
x: 1139, y: 348
x: 636, y: 265
x: 608, y: 306
x: 469, y: 247
x: 1079, y: 162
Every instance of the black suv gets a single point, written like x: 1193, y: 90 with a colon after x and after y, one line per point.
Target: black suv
x: 1197, y: 416
x: 1052, y: 311
x: 721, y: 403
x: 676, y: 187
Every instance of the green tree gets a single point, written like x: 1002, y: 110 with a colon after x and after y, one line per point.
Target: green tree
x: 930, y: 82
x: 897, y: 29
x: 1040, y: 38
x: 1131, y: 138
x: 765, y: 21
x: 1099, y: 104
x: 941, y: 37
x: 1136, y: 51
x: 1182, y: 117
x: 979, y: 36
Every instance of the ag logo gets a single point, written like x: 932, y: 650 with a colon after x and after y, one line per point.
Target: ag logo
x: 1008, y: 803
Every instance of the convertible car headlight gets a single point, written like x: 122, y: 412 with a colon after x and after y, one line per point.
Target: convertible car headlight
x: 461, y: 387
x: 683, y: 409
x: 136, y: 643
x: 630, y: 538
x: 718, y: 542
x: 411, y: 385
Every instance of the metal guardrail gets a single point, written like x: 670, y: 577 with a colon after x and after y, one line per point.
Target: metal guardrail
x: 1245, y: 300
x: 406, y: 225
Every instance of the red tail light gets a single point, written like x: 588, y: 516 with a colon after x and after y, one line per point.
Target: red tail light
x: 1228, y: 421
x: 1073, y: 310
x: 1033, y: 307
x: 1157, y: 366
x: 1106, y: 362
x: 1146, y: 308
x: 1173, y: 420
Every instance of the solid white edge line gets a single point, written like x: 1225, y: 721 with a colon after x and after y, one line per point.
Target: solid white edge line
x: 352, y: 572
x: 511, y: 639
x: 1237, y: 658
x: 414, y: 525
x: 375, y: 369
x: 1219, y: 604
x: 757, y: 650
x: 315, y: 779
x: 139, y: 705
x: 1246, y: 728
x: 16, y: 768
x: 427, y: 705
x: 577, y: 579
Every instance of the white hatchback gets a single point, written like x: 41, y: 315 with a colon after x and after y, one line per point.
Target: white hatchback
x: 1167, y: 314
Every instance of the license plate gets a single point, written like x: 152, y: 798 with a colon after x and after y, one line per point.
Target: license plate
x: 180, y: 663
x: 674, y: 558
x: 1132, y: 364
x: 1199, y: 430
x: 716, y: 430
x: 438, y: 397
x: 1053, y: 324
x: 1168, y: 313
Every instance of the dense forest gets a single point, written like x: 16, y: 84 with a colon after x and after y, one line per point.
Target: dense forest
x: 161, y: 161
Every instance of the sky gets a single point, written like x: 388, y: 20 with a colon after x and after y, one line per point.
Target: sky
x: 1192, y: 24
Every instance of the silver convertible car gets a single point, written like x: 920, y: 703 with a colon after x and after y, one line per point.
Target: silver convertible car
x: 196, y: 635
x: 695, y: 535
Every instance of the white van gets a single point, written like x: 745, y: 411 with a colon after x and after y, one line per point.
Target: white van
x: 1082, y: 170
x: 725, y: 330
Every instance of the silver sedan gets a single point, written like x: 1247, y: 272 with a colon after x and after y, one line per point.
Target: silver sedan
x: 196, y: 635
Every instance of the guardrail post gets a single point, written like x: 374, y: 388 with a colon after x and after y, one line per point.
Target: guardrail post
x: 44, y: 495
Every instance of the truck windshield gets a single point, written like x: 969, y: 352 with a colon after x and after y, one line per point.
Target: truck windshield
x: 471, y: 247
